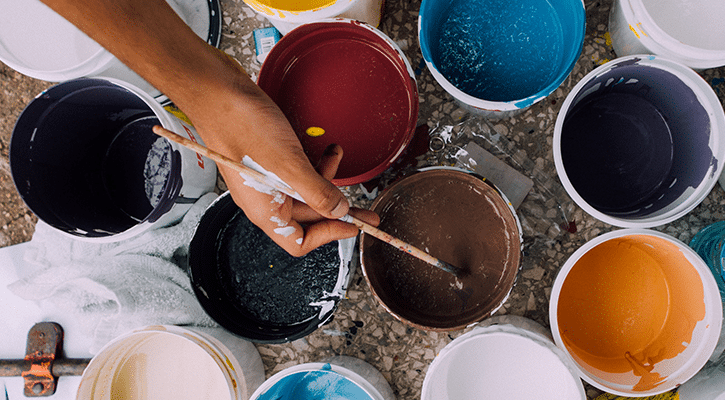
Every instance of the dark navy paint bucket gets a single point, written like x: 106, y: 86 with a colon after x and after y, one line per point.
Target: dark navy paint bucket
x: 85, y: 161
x: 639, y: 141
x: 253, y: 288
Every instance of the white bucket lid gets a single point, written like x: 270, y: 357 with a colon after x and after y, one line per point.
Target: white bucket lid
x: 37, y: 42
x: 508, y: 359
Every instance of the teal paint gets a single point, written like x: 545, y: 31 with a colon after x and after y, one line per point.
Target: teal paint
x: 323, y: 384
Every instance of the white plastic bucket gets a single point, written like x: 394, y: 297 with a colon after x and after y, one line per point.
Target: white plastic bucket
x: 340, y: 377
x: 286, y: 15
x: 686, y: 31
x: 505, y: 357
x: 637, y: 311
x: 636, y: 172
x: 84, y: 160
x: 37, y: 42
x: 171, y: 362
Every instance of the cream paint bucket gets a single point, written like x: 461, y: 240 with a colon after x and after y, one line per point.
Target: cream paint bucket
x: 85, y: 161
x: 171, y: 362
x: 637, y: 311
x: 339, y: 377
x: 640, y: 141
x: 37, y: 42
x: 505, y: 357
x: 687, y: 31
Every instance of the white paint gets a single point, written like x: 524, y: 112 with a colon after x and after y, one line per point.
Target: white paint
x: 697, y: 23
x: 500, y: 364
x: 278, y: 221
x: 169, y: 367
x: 285, y: 231
x: 299, y: 241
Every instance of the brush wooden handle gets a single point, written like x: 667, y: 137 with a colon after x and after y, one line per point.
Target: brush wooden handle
x: 265, y: 180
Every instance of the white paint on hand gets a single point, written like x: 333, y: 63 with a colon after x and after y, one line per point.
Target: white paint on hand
x: 285, y: 231
x: 299, y: 241
x: 277, y: 220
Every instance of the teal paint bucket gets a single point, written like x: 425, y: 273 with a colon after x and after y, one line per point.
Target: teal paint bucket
x: 499, y: 57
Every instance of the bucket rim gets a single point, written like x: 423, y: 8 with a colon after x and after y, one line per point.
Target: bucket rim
x: 711, y: 294
x: 312, y: 14
x: 702, y: 90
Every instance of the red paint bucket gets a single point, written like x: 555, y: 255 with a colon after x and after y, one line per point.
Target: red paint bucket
x: 353, y: 82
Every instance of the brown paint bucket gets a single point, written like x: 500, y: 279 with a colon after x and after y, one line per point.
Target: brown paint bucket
x: 455, y: 216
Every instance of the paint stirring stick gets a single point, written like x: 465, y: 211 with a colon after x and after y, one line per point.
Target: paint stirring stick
x: 284, y: 188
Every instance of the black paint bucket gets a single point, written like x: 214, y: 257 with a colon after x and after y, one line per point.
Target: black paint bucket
x: 253, y: 288
x: 85, y: 161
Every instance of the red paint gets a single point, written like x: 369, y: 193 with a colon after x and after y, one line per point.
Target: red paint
x: 349, y: 81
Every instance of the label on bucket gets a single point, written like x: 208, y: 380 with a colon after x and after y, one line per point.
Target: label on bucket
x: 264, y: 40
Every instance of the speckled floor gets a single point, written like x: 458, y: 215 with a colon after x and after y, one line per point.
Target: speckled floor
x: 361, y: 327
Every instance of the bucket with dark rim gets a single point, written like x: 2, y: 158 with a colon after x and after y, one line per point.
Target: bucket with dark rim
x: 84, y: 159
x: 344, y: 82
x: 255, y: 289
x: 455, y: 216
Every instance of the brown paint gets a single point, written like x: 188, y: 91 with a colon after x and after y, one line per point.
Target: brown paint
x: 629, y: 303
x: 458, y: 218
x: 350, y: 82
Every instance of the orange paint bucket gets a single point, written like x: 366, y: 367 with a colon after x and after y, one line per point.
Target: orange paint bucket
x: 637, y: 311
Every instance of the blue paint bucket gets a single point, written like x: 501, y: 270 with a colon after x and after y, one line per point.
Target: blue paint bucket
x: 708, y: 244
x: 639, y: 141
x: 498, y: 57
x: 340, y: 377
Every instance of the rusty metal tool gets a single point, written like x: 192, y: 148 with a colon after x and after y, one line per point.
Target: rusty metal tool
x: 43, y: 364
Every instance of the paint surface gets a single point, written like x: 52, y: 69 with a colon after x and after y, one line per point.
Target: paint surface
x: 499, y: 50
x: 348, y: 81
x: 696, y: 23
x: 628, y: 304
x: 169, y: 367
x: 494, y: 365
x: 266, y: 282
x: 617, y: 150
x: 459, y: 219
x: 296, y: 5
x: 324, y: 384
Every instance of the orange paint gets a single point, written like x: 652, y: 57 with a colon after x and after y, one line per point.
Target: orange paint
x: 629, y: 303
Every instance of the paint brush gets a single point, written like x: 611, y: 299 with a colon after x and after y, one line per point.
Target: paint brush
x: 265, y: 180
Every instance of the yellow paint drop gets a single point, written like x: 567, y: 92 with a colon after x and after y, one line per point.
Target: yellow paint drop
x: 315, y: 131
x: 608, y: 39
x: 629, y: 303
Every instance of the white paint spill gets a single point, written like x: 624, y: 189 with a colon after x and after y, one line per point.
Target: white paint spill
x: 285, y: 231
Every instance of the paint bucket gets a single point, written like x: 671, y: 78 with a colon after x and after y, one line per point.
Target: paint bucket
x: 37, y: 42
x: 286, y: 15
x: 255, y: 289
x: 639, y: 141
x: 497, y: 58
x: 637, y: 310
x: 504, y: 357
x: 690, y: 33
x: 354, y: 83
x: 85, y: 161
x: 337, y: 378
x: 708, y: 244
x: 171, y: 362
x: 455, y: 216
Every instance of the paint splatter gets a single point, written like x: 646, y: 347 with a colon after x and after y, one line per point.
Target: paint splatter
x: 156, y: 170
x: 285, y: 230
x: 500, y: 50
x: 315, y: 131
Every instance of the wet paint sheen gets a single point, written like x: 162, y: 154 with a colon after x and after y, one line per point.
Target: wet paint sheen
x: 620, y: 310
x: 499, y: 50
x: 324, y: 384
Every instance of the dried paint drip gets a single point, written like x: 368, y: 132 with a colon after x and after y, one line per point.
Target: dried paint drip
x: 455, y: 217
x: 156, y: 170
x: 628, y: 304
x: 268, y: 283
x: 500, y: 50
